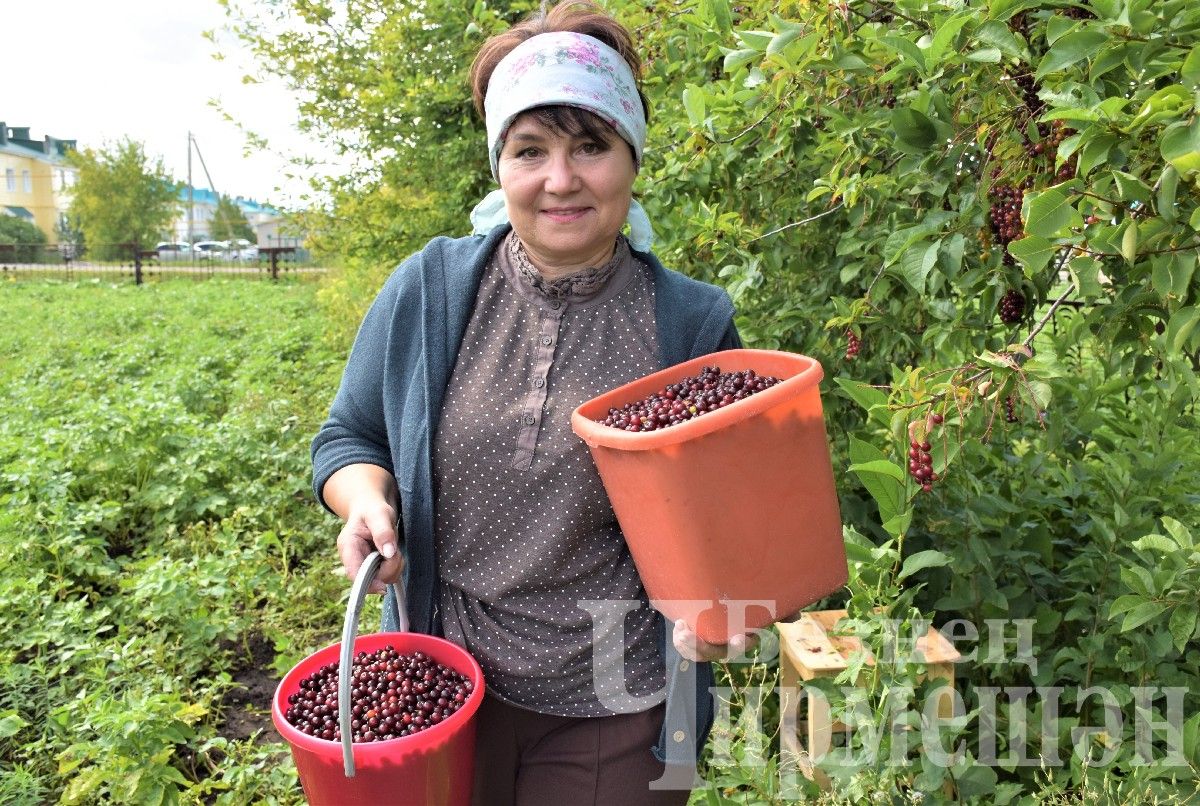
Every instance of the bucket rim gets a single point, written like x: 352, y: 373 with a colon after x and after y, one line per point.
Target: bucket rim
x: 290, y: 681
x: 583, y: 419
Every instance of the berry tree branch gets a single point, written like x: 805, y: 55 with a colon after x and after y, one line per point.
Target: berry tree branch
x: 895, y: 12
x: 808, y: 220
x: 1045, y: 320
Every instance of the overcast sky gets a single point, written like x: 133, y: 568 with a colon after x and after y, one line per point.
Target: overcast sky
x: 98, y: 71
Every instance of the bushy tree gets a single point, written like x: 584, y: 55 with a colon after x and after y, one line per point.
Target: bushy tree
x: 121, y: 198
x: 20, y: 240
x: 230, y: 222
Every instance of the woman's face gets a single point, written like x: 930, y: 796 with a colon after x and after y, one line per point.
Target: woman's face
x: 567, y: 195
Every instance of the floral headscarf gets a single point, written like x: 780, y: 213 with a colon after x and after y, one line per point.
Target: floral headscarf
x: 569, y: 69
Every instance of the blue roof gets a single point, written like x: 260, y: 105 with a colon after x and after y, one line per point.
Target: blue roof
x: 208, y: 196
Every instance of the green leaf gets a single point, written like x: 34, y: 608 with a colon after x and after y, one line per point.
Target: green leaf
x: 913, y: 128
x: 1034, y: 253
x: 985, y: 55
x: 722, y: 15
x: 1129, y: 242
x: 880, y: 466
x: 84, y: 785
x: 996, y: 34
x: 1070, y: 50
x: 1190, y: 71
x: 1194, y: 221
x: 1183, y: 624
x: 1141, y: 614
x: 755, y: 40
x: 1171, y: 274
x: 1123, y: 604
x: 862, y: 393
x: 1169, y: 102
x: 1109, y: 59
x: 782, y: 40
x: 916, y: 263
x: 887, y: 492
x: 1093, y: 153
x: 1086, y: 273
x: 1182, y: 535
x: 1138, y: 580
x: 736, y: 58
x: 1180, y: 327
x: 930, y: 558
x: 1155, y: 543
x: 945, y: 36
x: 1168, y: 184
x: 1130, y: 187
x: 1180, y: 146
x: 1049, y: 212
x: 898, y: 525
x: 10, y: 724
x: 907, y: 48
x: 693, y: 104
x: 1056, y: 27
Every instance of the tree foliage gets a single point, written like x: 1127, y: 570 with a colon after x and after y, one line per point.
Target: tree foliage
x: 20, y: 240
x: 997, y: 201
x: 121, y: 198
x: 229, y: 222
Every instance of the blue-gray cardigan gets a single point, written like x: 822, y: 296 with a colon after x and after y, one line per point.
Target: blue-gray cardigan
x: 390, y: 400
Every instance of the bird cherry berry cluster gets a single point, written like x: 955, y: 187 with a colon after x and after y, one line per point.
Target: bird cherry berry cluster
x: 1012, y: 307
x: 853, y: 345
x: 1005, y: 213
x: 920, y: 462
x: 688, y: 399
x: 1010, y: 410
x: 392, y: 695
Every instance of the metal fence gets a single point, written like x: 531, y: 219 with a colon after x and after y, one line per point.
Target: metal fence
x: 128, y: 262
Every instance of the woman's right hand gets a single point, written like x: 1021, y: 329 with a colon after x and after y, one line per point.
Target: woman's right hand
x: 366, y: 497
x: 371, y: 527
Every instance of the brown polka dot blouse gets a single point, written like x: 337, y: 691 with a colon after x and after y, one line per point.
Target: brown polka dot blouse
x: 524, y: 528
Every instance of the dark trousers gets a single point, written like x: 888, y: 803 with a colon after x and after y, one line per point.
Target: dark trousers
x: 523, y: 758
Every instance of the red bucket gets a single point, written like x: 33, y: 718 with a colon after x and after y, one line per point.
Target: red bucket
x: 435, y: 766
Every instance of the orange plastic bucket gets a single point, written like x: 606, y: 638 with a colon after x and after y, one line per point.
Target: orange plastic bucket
x: 733, y: 513
x: 433, y: 767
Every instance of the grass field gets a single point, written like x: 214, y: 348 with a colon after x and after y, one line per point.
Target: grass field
x: 163, y: 559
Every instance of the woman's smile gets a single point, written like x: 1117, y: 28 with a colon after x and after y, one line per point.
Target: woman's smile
x: 565, y: 215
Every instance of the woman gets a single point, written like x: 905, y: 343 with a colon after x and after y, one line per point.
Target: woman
x: 453, y: 417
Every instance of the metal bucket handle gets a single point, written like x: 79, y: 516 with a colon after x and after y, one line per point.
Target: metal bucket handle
x: 358, y: 594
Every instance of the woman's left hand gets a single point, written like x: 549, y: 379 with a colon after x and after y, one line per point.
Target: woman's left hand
x: 694, y: 648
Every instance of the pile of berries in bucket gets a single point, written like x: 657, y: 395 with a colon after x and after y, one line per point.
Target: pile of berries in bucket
x: 688, y: 399
x: 393, y: 695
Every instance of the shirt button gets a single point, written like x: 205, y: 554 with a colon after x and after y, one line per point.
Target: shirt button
x: 683, y: 665
x: 679, y: 736
x: 529, y: 419
x: 546, y: 340
x: 539, y: 383
x: 556, y: 305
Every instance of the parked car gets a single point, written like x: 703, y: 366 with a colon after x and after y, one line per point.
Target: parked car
x: 209, y: 250
x: 242, y: 250
x: 171, y: 250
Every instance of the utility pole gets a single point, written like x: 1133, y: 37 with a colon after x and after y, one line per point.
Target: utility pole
x: 192, y: 144
x: 190, y: 203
